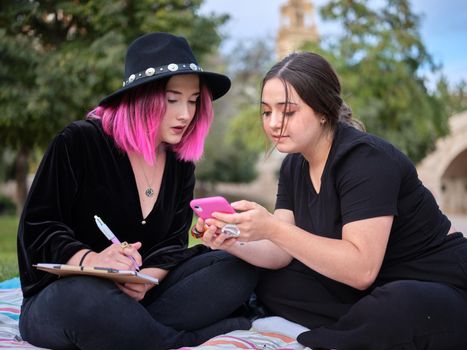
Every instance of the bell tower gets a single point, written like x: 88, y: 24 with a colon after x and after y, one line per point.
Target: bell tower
x: 297, y: 27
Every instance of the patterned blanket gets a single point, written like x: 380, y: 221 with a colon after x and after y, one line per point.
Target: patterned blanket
x: 10, y: 303
x: 270, y: 333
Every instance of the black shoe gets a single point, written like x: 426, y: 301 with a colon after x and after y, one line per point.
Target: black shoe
x: 251, y: 309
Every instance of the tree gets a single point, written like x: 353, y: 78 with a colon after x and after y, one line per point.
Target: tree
x: 455, y: 98
x: 60, y: 57
x: 382, y: 60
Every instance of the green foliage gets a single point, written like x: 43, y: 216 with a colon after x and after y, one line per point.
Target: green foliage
x: 6, y: 165
x: 8, y: 266
x: 228, y: 163
x: 381, y: 58
x: 8, y: 259
x: 455, y: 99
x: 7, y: 206
x: 246, y: 129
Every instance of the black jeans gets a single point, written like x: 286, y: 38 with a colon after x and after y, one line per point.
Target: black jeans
x: 187, y: 308
x: 402, y: 315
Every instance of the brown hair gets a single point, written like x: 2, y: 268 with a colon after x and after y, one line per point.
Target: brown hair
x: 317, y: 84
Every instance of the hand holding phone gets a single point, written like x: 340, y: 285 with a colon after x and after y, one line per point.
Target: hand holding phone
x: 204, y: 207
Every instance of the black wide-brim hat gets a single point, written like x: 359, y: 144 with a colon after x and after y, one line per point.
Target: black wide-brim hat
x: 161, y: 55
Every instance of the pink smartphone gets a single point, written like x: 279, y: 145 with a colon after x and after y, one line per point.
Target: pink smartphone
x: 204, y: 207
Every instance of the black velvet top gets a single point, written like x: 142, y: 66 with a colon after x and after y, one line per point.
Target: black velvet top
x: 83, y: 174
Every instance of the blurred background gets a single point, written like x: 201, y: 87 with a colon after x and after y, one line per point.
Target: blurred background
x: 402, y: 65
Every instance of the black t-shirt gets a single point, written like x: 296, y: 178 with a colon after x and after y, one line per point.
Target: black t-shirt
x: 83, y: 174
x: 366, y: 177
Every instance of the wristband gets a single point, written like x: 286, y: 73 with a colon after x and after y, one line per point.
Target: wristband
x: 84, y: 255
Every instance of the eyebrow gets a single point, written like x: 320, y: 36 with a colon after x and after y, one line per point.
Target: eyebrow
x: 281, y: 103
x: 179, y: 93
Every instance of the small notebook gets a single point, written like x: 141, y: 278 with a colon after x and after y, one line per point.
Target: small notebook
x: 121, y: 276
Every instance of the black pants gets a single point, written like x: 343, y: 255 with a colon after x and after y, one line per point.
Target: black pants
x: 406, y: 313
x: 187, y: 308
x: 402, y: 315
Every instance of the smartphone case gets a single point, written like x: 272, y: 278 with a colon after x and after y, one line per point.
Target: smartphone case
x: 204, y: 207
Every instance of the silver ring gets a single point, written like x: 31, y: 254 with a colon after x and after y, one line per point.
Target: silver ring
x: 231, y: 230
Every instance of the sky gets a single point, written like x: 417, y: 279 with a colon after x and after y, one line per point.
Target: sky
x: 443, y: 27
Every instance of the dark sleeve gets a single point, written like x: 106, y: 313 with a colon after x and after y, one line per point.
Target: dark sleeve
x: 43, y: 234
x: 173, y: 250
x: 367, y: 182
x: 284, y: 199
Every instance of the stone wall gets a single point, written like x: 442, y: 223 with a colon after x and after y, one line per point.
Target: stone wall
x: 444, y: 171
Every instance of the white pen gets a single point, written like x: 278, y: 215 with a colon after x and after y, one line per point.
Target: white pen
x: 111, y: 237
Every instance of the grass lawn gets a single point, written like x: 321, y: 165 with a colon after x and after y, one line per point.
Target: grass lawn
x: 8, y: 260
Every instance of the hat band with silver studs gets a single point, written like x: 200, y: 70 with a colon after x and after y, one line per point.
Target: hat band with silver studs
x: 173, y: 67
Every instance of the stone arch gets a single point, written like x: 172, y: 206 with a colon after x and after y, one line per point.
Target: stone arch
x: 454, y: 185
x: 444, y: 171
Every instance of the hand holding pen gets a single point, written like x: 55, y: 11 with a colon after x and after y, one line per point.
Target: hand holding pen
x: 111, y: 237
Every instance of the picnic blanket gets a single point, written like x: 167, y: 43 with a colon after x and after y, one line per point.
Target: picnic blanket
x: 10, y: 303
x: 269, y: 333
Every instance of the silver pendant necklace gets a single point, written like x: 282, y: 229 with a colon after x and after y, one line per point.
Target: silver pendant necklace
x: 149, y: 191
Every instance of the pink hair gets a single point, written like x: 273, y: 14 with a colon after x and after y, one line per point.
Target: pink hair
x: 133, y: 121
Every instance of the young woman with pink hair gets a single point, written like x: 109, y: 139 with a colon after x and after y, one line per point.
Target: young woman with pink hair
x: 130, y: 163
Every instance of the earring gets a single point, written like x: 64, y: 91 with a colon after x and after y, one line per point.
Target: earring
x: 323, y: 120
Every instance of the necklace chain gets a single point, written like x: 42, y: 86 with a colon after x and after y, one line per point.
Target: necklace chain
x: 149, y: 192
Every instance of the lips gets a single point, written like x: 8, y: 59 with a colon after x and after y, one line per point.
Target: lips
x: 178, y: 129
x: 278, y: 138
